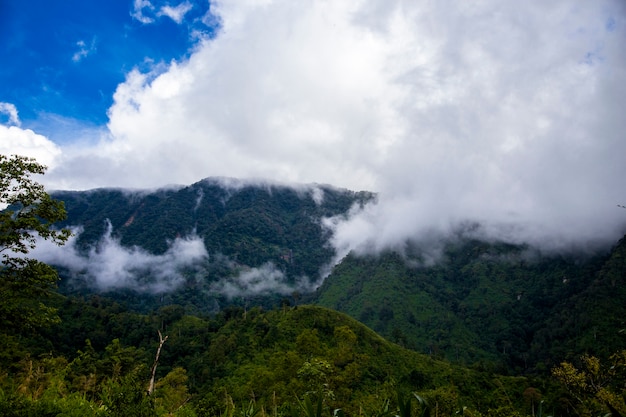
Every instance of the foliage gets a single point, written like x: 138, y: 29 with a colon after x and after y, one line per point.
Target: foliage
x: 501, y: 308
x: 250, y: 224
x: 258, y: 363
x: 30, y: 215
x: 32, y: 211
x: 492, y: 305
x: 594, y: 387
x: 309, y: 409
x: 242, y: 226
x: 127, y: 397
x: 245, y: 363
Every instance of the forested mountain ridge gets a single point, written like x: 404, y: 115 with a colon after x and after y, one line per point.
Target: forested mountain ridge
x: 505, y: 305
x: 249, y: 222
x: 486, y: 302
x: 249, y: 232
x: 248, y: 362
x: 503, y: 310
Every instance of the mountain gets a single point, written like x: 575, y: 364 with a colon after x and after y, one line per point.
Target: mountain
x: 217, y: 274
x: 489, y: 302
x: 249, y: 232
x: 508, y: 307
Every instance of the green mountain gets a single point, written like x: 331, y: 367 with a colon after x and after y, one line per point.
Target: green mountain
x: 486, y: 302
x: 247, y: 230
x: 251, y: 224
x: 506, y: 307
x: 218, y: 278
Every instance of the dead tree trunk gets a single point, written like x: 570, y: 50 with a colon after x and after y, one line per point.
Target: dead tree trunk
x: 156, y: 361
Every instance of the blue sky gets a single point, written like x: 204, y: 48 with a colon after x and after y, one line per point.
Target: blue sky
x: 66, y: 58
x: 506, y: 113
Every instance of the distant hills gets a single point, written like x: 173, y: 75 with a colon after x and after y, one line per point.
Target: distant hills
x: 484, y: 303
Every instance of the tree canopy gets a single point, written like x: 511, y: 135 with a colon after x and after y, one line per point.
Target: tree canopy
x: 28, y: 215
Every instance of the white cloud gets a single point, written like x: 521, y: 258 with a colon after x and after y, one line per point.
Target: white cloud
x: 110, y: 265
x: 499, y: 113
x: 259, y: 281
x: 176, y: 13
x: 139, y: 7
x: 147, y: 12
x: 17, y: 141
x: 10, y: 111
x: 84, y: 50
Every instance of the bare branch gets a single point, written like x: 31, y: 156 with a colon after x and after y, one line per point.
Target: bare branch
x: 156, y: 361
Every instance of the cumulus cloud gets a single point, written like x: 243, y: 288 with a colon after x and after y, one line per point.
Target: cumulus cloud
x: 17, y: 141
x: 109, y: 265
x: 139, y: 9
x: 146, y: 11
x: 510, y: 116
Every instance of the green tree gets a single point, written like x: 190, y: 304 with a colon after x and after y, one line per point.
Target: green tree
x: 126, y: 396
x: 29, y: 214
x: 596, y: 387
x: 171, y: 391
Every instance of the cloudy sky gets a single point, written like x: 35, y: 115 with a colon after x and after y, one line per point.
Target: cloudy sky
x: 508, y: 113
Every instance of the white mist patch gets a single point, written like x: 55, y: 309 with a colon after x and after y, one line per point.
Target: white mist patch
x: 313, y: 191
x: 265, y: 280
x: 317, y: 194
x: 109, y: 265
x: 424, y: 225
x: 199, y: 197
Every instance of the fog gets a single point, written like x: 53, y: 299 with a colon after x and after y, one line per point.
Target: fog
x: 108, y: 265
x: 265, y: 280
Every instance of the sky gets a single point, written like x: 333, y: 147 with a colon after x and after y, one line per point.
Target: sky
x: 506, y: 114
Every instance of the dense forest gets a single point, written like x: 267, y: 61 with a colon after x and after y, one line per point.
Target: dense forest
x: 283, y: 362
x: 491, y: 303
x: 489, y: 329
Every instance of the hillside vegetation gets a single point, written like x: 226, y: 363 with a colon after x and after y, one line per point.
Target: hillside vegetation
x: 485, y: 302
x: 507, y: 307
x: 483, y: 330
x: 250, y: 224
x: 266, y: 360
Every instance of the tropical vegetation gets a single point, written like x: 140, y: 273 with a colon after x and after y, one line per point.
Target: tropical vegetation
x: 490, y: 329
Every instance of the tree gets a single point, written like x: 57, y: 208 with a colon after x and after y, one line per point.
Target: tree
x: 29, y: 214
x: 596, y: 387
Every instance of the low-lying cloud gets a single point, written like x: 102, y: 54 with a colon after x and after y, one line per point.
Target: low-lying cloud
x: 109, y: 265
x: 264, y: 280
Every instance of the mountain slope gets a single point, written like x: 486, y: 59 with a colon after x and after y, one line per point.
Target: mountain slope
x: 493, y: 302
x: 485, y: 302
x: 249, y: 232
x: 274, y: 357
